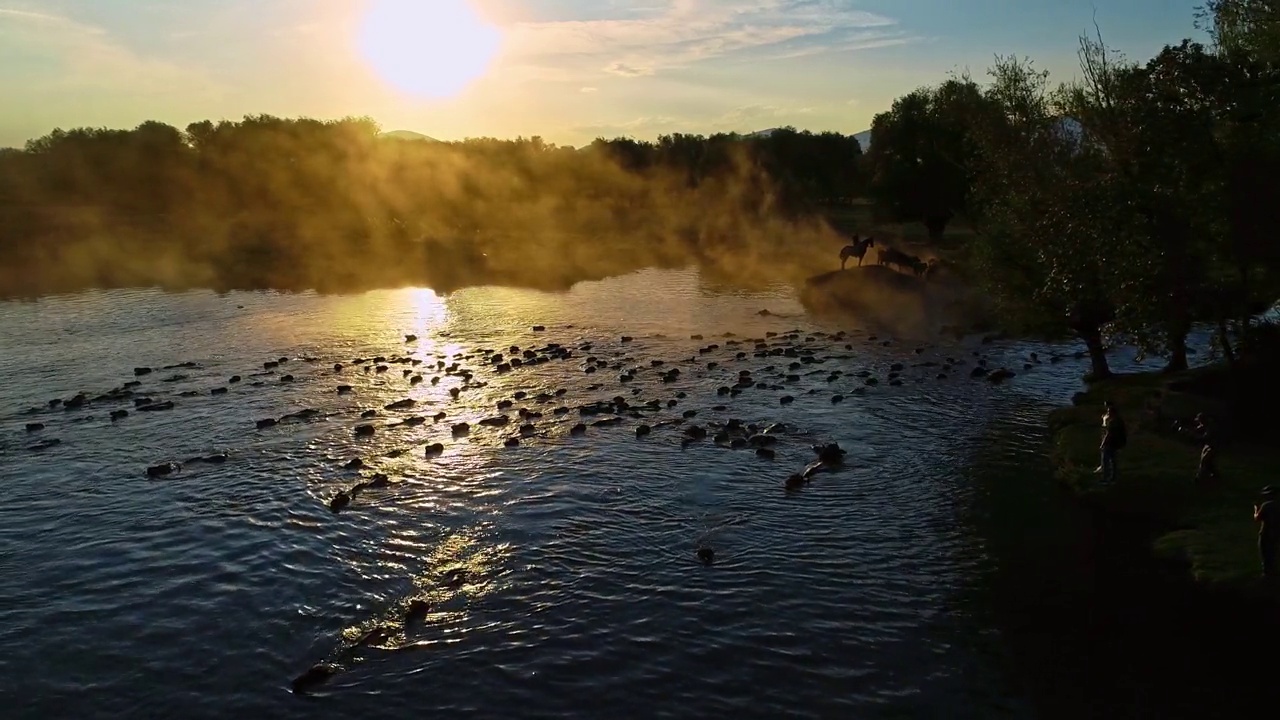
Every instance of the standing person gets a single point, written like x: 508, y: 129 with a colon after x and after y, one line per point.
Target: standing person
x: 1267, y: 515
x: 1114, y: 437
x: 1208, y: 470
x: 1201, y: 432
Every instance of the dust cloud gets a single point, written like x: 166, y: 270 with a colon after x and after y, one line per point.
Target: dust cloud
x: 336, y: 206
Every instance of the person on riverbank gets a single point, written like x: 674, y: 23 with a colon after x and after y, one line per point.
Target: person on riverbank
x: 1267, y: 515
x: 1114, y: 437
x: 1201, y: 432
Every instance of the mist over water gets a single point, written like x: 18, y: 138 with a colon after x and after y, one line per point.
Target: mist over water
x: 204, y: 593
x: 334, y: 206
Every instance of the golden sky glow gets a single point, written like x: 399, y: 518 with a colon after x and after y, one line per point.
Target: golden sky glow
x: 569, y: 70
x: 427, y: 49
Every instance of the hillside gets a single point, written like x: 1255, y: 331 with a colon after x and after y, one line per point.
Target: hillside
x: 407, y: 135
x: 864, y: 137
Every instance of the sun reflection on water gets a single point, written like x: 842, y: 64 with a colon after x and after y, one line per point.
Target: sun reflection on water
x: 459, y: 570
x: 430, y: 311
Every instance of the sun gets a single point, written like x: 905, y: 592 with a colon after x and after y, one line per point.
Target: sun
x: 427, y: 48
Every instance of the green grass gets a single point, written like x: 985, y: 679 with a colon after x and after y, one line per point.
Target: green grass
x: 1210, y: 528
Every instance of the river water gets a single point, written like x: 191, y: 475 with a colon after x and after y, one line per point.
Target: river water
x: 561, y: 575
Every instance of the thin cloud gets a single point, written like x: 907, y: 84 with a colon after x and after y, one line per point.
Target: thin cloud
x: 627, y: 70
x: 87, y: 56
x: 30, y: 15
x: 855, y: 43
x: 641, y: 125
x: 743, y: 119
x: 587, y: 90
x: 646, y: 40
x: 749, y: 118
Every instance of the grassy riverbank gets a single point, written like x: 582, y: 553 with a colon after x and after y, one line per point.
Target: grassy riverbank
x: 1209, y: 528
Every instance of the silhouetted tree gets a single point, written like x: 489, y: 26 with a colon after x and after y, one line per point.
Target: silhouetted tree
x: 297, y: 202
x: 1245, y: 28
x: 921, y: 154
x: 1044, y: 221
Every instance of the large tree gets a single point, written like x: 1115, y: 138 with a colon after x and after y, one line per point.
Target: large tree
x: 1161, y: 265
x: 920, y: 156
x: 1248, y: 28
x: 1200, y: 231
x: 1043, y: 222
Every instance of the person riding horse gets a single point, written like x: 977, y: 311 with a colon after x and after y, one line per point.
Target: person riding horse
x: 858, y: 249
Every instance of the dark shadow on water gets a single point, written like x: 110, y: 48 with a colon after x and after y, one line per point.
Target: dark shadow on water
x: 442, y: 275
x: 899, y: 302
x: 1090, y: 625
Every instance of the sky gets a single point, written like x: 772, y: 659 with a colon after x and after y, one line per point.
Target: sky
x: 567, y: 70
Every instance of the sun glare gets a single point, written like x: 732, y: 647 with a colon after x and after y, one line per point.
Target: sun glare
x: 431, y: 49
x: 428, y: 309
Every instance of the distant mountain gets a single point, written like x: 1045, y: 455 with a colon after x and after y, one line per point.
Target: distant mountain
x: 1071, y: 129
x: 864, y: 137
x: 407, y: 135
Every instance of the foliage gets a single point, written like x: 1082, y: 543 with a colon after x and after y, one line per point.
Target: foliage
x: 1208, y: 527
x: 303, y: 203
x: 1137, y: 200
x: 1248, y: 28
x: 1044, y: 220
x: 918, y: 163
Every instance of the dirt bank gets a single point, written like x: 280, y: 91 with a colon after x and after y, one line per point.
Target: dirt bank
x: 899, y: 302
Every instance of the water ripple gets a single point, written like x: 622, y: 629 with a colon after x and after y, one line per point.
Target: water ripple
x: 561, y: 574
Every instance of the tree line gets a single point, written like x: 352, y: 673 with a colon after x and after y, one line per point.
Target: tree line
x: 270, y: 202
x: 1129, y: 204
x: 1133, y: 202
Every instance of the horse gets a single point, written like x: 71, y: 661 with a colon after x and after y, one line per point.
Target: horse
x: 932, y: 269
x: 891, y: 256
x: 858, y: 249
